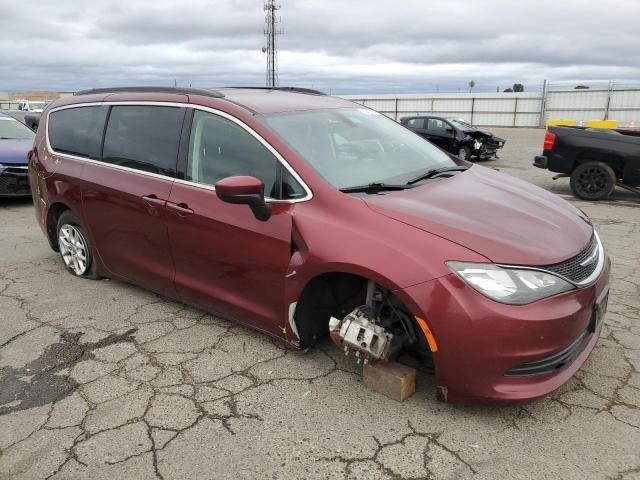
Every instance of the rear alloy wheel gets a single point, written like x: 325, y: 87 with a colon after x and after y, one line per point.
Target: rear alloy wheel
x: 464, y: 153
x: 74, y: 246
x: 593, y: 180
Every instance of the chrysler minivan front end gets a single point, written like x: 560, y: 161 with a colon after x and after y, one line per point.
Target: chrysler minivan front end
x: 512, y: 326
x: 495, y: 349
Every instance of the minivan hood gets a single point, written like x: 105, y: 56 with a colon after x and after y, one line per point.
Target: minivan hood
x: 505, y: 219
x: 14, y: 151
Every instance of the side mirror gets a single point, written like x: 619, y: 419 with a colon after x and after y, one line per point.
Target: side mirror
x: 247, y: 190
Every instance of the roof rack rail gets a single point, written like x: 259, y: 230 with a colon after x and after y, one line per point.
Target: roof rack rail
x: 308, y: 91
x: 177, y: 90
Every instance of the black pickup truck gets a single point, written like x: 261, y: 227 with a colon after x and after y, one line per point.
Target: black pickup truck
x: 596, y: 159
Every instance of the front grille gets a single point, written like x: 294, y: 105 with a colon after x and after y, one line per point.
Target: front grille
x: 553, y: 362
x: 14, y: 184
x: 572, y: 269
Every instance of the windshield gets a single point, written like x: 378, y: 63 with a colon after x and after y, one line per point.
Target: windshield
x: 458, y: 122
x: 357, y: 146
x: 10, y: 128
x: 36, y: 106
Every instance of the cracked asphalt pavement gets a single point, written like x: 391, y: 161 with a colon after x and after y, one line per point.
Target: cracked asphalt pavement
x: 100, y: 379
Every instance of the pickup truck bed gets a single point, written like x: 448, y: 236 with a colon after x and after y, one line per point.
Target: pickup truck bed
x: 596, y: 159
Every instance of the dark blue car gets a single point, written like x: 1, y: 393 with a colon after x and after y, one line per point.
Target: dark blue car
x: 16, y: 139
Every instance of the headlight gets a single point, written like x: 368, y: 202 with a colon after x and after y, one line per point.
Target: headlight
x: 509, y: 285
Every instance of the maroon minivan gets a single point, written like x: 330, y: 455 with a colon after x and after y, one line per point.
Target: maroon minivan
x: 301, y: 215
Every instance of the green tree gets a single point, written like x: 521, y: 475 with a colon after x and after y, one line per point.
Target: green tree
x: 508, y: 90
x: 518, y: 87
x: 581, y: 87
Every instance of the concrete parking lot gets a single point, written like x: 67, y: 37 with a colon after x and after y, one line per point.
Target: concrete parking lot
x: 100, y: 379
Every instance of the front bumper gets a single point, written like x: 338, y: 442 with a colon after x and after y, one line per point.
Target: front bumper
x: 489, y: 148
x: 481, y: 343
x: 14, y: 182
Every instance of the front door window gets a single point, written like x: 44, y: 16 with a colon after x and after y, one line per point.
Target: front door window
x: 220, y: 148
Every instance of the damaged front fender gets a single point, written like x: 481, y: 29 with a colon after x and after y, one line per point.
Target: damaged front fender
x: 394, y: 259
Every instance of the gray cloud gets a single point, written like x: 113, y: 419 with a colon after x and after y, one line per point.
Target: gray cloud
x: 355, y: 46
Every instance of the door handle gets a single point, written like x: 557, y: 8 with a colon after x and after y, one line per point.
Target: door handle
x: 182, y: 209
x: 153, y: 201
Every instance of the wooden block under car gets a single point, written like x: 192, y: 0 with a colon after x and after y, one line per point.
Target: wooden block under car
x: 392, y: 379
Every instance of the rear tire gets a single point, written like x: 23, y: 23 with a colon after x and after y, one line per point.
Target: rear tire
x: 75, y: 247
x: 593, y: 180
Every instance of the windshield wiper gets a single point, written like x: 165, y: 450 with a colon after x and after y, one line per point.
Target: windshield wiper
x: 434, y: 172
x: 374, y: 188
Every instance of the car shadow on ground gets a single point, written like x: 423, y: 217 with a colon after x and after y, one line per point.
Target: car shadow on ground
x: 13, y: 202
x: 619, y: 196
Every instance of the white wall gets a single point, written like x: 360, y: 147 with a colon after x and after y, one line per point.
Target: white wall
x: 512, y: 109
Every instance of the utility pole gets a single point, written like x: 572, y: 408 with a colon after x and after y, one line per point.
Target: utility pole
x: 271, y: 31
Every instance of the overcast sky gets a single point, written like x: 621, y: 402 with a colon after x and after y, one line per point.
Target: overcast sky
x: 342, y: 46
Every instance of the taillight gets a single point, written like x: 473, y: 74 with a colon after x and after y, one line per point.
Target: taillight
x: 549, y: 140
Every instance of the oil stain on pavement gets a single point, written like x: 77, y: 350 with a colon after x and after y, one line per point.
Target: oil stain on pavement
x: 41, y: 382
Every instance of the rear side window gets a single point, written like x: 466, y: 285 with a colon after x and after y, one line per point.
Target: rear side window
x: 144, y: 137
x: 416, y: 123
x: 78, y: 131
